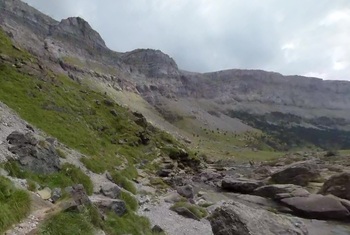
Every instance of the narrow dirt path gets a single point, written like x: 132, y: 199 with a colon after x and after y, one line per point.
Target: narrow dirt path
x: 40, y: 210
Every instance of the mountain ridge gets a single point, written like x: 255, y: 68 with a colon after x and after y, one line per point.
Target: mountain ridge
x: 216, y: 100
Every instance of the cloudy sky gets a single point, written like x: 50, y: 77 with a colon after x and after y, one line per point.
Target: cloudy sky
x: 305, y: 37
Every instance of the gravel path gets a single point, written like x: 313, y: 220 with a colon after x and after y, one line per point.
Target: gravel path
x: 172, y: 223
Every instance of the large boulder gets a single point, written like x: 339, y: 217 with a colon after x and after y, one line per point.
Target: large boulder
x: 78, y: 194
x: 110, y: 190
x: 186, y: 191
x: 280, y: 191
x: 338, y: 185
x: 238, y: 219
x: 240, y: 185
x: 115, y: 205
x: 317, y: 206
x: 300, y: 173
x: 33, y: 155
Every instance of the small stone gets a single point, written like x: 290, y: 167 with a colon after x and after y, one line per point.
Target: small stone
x: 45, y: 193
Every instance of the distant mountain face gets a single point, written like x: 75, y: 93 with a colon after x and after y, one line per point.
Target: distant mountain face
x: 294, y: 110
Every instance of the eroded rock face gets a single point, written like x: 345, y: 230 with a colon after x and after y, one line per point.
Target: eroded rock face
x: 110, y: 190
x: 78, y: 194
x: 152, y: 63
x: 317, y: 206
x: 238, y: 219
x: 338, y: 185
x: 300, y: 173
x: 39, y: 157
x: 79, y: 28
x: 186, y: 191
x: 115, y: 205
x: 280, y: 191
x: 240, y: 185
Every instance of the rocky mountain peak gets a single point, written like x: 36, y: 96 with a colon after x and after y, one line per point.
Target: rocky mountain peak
x: 79, y: 29
x: 152, y: 63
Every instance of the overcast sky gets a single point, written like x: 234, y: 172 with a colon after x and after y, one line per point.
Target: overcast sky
x: 305, y: 37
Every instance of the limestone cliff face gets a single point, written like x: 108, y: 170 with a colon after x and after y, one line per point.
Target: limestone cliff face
x: 152, y: 63
x: 77, y: 29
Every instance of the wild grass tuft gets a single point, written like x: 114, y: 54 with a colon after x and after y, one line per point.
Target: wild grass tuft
x: 67, y: 176
x: 196, y: 210
x: 14, y: 204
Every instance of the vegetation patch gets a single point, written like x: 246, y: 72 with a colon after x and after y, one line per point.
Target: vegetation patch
x: 283, y: 135
x: 14, y: 204
x: 67, y: 176
x: 198, y: 211
x: 67, y: 223
x: 122, y: 181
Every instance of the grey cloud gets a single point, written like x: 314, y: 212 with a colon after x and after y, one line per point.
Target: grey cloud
x: 291, y: 37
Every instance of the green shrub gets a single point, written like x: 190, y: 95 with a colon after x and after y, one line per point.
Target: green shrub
x: 61, y: 153
x: 67, y: 223
x: 196, y: 210
x: 130, y: 223
x: 67, y: 176
x: 131, y: 202
x: 14, y: 204
x: 123, y: 182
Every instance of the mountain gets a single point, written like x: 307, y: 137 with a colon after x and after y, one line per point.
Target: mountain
x: 94, y: 141
x: 291, y: 111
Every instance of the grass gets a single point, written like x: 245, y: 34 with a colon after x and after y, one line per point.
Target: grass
x: 131, y: 202
x: 67, y: 176
x: 196, y: 210
x: 158, y: 182
x: 78, y: 117
x: 61, y: 153
x: 130, y: 223
x: 67, y: 223
x: 14, y: 204
x: 123, y: 182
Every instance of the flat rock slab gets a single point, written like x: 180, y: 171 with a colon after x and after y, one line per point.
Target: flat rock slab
x: 317, y: 206
x: 240, y: 185
x: 238, y: 219
x: 280, y: 191
x: 300, y: 173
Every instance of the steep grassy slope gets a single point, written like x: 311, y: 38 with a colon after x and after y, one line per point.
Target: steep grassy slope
x: 14, y: 204
x: 108, y: 134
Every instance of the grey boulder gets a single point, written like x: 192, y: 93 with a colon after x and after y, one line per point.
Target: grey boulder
x: 240, y: 185
x: 317, y: 206
x: 300, y: 173
x: 280, y: 191
x: 338, y: 185
x: 238, y: 219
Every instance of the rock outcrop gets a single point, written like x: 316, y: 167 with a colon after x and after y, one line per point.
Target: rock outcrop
x: 239, y: 219
x: 152, y: 63
x: 300, y: 173
x: 338, y: 185
x: 78, y: 29
x: 34, y: 155
x: 280, y: 191
x: 240, y: 185
x: 317, y: 206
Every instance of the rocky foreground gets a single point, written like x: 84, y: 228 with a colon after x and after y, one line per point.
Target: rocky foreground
x: 296, y: 194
